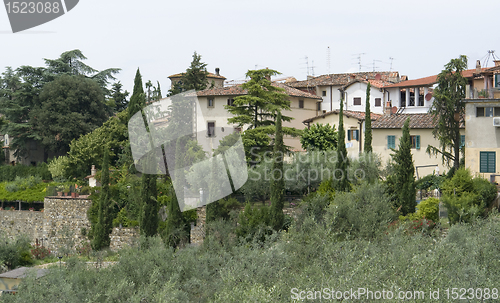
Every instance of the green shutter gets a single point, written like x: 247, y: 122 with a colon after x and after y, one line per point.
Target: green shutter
x: 462, y: 141
x: 349, y: 135
x: 356, y: 134
x: 487, y: 162
x: 417, y: 142
x: 497, y: 80
x: 391, y: 141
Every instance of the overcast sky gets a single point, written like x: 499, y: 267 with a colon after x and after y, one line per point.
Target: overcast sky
x: 160, y: 37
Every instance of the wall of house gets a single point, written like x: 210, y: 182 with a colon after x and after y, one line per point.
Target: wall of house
x: 394, y: 96
x: 358, y: 90
x: 420, y: 157
x: 480, y: 135
x: 61, y: 218
x: 329, y: 103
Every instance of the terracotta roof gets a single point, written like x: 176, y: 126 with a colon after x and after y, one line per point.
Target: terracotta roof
x: 348, y: 113
x: 425, y: 121
x: 431, y: 80
x: 343, y: 79
x: 210, y: 75
x: 373, y: 82
x: 236, y: 90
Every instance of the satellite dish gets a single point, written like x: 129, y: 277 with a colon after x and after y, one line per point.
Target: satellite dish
x: 394, y: 109
x: 378, y: 77
x: 428, y: 97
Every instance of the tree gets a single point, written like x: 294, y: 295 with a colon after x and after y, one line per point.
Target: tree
x: 138, y: 98
x: 119, y: 98
x: 341, y: 166
x: 403, y: 183
x: 368, y: 122
x: 149, y: 218
x: 278, y: 179
x: 319, y: 137
x: 70, y: 106
x: 102, y: 229
x: 195, y: 77
x: 448, y: 110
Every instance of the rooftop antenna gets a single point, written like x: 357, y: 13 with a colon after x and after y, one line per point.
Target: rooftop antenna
x: 374, y: 64
x: 359, y: 59
x: 307, y: 65
x: 486, y: 58
x: 312, y: 68
x: 328, y: 60
x: 391, y: 58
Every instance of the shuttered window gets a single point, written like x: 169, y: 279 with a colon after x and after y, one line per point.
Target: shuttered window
x: 391, y: 141
x: 415, y: 141
x: 487, y: 162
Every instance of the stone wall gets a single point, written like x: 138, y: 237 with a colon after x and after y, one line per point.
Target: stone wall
x: 62, y: 223
x: 198, y: 231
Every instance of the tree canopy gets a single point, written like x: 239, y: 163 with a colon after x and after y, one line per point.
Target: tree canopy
x: 319, y: 137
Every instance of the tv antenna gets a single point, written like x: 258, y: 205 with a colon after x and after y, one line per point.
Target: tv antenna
x: 328, y: 60
x: 359, y: 59
x: 486, y: 58
x: 391, y: 58
x: 374, y: 67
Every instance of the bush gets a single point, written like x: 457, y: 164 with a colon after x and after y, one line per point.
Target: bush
x: 363, y: 213
x: 40, y: 252
x: 428, y: 209
x: 467, y: 198
x: 366, y: 168
x: 9, y: 173
x: 429, y: 182
x: 253, y: 223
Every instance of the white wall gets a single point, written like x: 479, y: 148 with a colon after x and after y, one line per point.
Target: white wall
x: 359, y: 90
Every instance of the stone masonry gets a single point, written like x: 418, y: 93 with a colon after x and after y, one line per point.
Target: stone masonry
x: 64, y: 220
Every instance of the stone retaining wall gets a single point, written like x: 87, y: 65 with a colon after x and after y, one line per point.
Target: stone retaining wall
x: 62, y: 223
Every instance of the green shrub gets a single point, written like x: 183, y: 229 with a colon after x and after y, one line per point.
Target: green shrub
x: 363, y: 212
x: 428, y: 209
x: 429, y: 182
x: 253, y: 223
x: 9, y: 173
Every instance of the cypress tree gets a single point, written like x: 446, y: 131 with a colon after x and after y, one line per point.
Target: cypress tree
x: 278, y: 180
x: 404, y: 181
x: 149, y: 218
x: 368, y: 123
x: 138, y: 98
x: 340, y: 173
x: 103, y: 227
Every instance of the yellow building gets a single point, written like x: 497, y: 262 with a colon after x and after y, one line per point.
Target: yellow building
x: 482, y: 136
x: 387, y: 130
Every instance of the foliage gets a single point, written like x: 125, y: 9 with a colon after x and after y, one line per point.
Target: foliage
x: 467, y: 198
x: 448, y: 105
x: 341, y: 181
x: 402, y: 183
x: 366, y: 168
x: 278, y: 179
x: 195, y: 77
x: 36, y: 193
x: 16, y: 252
x: 253, y: 223
x: 367, y: 148
x: 59, y: 167
x: 149, y: 193
x: 138, y: 98
x: 40, y: 252
x: 319, y: 137
x: 429, y: 182
x: 102, y: 229
x: 10, y: 173
x: 119, y: 98
x: 364, y: 213
x: 22, y: 184
x: 428, y: 209
x: 70, y: 106
x: 221, y: 209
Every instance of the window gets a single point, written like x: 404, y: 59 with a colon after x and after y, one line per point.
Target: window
x: 497, y: 80
x: 301, y: 103
x: 357, y: 101
x: 391, y: 141
x: 352, y: 134
x: 403, y: 99
x: 487, y: 111
x: 318, y: 106
x: 230, y: 102
x: 420, y: 100
x: 378, y: 102
x: 324, y: 93
x: 211, y: 129
x: 210, y: 102
x: 487, y: 162
x: 462, y: 141
x: 415, y: 142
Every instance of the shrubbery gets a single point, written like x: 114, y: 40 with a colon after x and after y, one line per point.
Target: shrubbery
x: 9, y: 173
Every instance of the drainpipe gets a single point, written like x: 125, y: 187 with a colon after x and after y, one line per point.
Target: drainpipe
x: 331, y: 99
x: 360, y: 132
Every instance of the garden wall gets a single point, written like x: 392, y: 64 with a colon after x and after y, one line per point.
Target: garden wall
x: 62, y: 223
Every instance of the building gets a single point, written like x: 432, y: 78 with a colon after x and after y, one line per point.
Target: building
x: 213, y: 80
x: 387, y: 130
x: 482, y: 136
x: 329, y: 87
x: 354, y: 125
x: 212, y: 101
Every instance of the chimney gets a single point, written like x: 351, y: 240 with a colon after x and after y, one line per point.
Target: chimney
x: 388, y: 109
x: 217, y: 70
x: 497, y: 62
x: 478, y: 67
x: 268, y: 77
x: 93, y: 171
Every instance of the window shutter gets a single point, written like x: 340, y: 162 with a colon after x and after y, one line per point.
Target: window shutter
x: 417, y: 142
x: 462, y: 141
x: 356, y: 133
x: 348, y: 135
x: 491, y: 162
x: 391, y: 142
x: 487, y: 162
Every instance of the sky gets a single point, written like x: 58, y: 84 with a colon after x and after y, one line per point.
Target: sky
x: 160, y: 37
